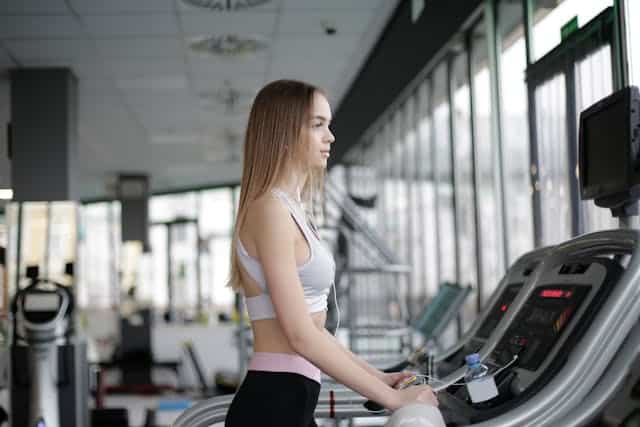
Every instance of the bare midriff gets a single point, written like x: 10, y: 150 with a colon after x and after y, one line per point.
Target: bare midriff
x: 268, y: 335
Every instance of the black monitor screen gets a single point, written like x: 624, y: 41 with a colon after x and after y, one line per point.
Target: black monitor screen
x: 606, y: 149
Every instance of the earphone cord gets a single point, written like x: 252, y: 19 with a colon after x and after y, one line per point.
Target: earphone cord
x: 335, y: 299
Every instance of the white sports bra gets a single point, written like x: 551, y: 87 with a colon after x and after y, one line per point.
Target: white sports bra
x: 316, y: 274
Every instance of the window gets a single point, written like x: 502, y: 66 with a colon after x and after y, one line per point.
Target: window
x: 463, y: 169
x: 553, y: 163
x: 487, y: 172
x: 216, y: 225
x: 515, y: 131
x: 97, y: 278
x: 550, y: 16
x: 444, y: 177
x: 426, y: 189
x: 633, y: 35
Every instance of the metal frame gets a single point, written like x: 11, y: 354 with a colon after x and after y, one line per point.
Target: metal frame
x: 474, y: 174
x: 436, y: 177
x: 493, y: 39
x: 410, y: 172
x: 452, y: 159
x: 417, y: 195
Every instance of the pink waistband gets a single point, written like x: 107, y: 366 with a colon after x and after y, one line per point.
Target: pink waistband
x: 283, y: 362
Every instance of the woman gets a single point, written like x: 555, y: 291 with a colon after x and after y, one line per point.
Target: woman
x: 285, y: 272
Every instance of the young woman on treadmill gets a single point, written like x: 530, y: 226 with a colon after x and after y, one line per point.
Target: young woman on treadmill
x: 285, y: 271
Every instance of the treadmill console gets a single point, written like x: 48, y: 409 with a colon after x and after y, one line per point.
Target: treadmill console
x: 551, y: 321
x: 539, y: 325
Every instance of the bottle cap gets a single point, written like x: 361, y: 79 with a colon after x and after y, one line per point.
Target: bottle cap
x: 472, y: 358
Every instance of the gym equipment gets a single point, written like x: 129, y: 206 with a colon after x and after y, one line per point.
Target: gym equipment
x: 50, y: 376
x: 574, y: 337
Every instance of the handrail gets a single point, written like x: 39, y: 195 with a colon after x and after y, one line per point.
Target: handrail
x: 211, y: 411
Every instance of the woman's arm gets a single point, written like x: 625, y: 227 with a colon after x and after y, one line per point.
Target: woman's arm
x: 366, y: 366
x: 274, y: 234
x: 388, y: 378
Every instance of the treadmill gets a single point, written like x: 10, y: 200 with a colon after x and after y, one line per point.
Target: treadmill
x: 574, y: 335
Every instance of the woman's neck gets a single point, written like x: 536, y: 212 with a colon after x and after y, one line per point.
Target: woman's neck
x: 292, y: 185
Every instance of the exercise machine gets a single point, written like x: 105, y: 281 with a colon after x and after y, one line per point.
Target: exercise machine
x: 49, y: 372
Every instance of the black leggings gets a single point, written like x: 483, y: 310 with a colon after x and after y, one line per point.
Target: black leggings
x: 279, y: 399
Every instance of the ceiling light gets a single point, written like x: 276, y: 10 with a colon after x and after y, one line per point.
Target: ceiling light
x: 225, y: 5
x: 233, y: 100
x: 229, y: 45
x: 6, y: 194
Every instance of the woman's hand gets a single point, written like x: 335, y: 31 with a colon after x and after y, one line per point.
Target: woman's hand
x: 414, y: 394
x: 393, y: 378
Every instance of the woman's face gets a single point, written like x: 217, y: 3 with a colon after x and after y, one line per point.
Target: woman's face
x: 318, y: 134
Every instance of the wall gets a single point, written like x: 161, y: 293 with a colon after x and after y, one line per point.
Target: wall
x: 403, y: 50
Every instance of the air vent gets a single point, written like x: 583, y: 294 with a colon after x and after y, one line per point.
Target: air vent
x: 225, y: 5
x: 229, y: 45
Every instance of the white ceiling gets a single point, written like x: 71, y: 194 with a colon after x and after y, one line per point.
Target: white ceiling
x: 147, y: 103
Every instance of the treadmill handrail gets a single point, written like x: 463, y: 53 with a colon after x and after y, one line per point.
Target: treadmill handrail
x: 599, y: 396
x: 211, y: 411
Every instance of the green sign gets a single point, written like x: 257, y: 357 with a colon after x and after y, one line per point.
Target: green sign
x: 569, y: 28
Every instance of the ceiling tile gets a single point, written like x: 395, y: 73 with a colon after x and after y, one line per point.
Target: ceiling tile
x: 131, y: 25
x: 178, y: 99
x: 37, y: 27
x: 331, y: 4
x: 325, y: 76
x: 159, y: 82
x: 33, y: 7
x: 204, y: 64
x: 203, y: 24
x: 175, y: 136
x: 159, y: 47
x: 168, y: 116
x: 131, y: 68
x: 316, y: 21
x: 108, y: 7
x: 321, y: 49
x: 49, y: 48
x: 95, y: 86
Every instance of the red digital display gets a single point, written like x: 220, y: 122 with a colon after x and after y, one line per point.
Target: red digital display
x: 553, y: 293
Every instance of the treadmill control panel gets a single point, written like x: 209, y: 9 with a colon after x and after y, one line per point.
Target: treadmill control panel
x: 539, y: 324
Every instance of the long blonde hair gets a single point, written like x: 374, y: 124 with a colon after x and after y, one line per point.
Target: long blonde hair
x: 274, y: 141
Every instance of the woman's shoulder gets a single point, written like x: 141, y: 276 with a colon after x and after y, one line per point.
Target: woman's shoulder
x: 267, y: 210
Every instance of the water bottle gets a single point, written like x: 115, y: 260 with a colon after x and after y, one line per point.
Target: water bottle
x: 475, y: 369
x: 480, y: 385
